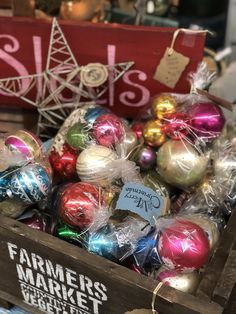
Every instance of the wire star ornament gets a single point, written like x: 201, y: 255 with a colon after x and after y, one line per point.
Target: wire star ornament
x: 62, y: 73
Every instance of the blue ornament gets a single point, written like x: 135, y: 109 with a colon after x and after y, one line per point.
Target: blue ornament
x: 31, y: 183
x: 104, y: 243
x: 146, y: 254
x: 93, y: 113
x: 5, y: 181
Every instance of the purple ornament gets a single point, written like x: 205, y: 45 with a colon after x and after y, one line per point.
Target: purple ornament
x: 108, y: 130
x: 207, y: 120
x: 146, y: 158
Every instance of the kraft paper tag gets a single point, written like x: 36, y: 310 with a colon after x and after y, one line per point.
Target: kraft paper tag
x: 141, y: 200
x: 171, y: 67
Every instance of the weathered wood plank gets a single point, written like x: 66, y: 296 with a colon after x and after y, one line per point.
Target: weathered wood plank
x: 215, y: 267
x: 5, y: 304
x: 226, y: 281
x: 93, y: 276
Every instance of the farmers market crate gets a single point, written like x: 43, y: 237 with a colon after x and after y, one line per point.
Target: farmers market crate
x: 44, y: 274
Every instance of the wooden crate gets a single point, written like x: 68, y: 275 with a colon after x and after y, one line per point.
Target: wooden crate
x: 38, y: 270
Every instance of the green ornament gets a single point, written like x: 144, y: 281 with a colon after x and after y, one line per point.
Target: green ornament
x: 78, y: 136
x: 66, y: 233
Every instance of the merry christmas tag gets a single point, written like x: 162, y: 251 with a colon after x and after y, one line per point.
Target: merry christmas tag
x: 142, y: 201
x: 171, y: 67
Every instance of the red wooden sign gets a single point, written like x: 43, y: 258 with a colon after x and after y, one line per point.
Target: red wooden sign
x: 24, y: 45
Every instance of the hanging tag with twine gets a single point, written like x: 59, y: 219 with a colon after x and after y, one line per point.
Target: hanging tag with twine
x: 173, y: 63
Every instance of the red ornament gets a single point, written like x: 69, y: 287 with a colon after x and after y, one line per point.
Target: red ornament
x: 78, y: 204
x: 184, y: 246
x: 108, y: 130
x: 137, y: 128
x: 176, y: 125
x: 64, y: 165
x: 40, y: 222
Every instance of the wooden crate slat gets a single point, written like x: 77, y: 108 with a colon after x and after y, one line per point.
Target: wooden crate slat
x: 126, y: 290
x: 226, y: 281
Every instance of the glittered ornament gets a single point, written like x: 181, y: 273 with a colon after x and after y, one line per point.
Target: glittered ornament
x: 187, y: 283
x: 93, y: 113
x: 31, y: 184
x: 108, y: 130
x: 12, y: 208
x: 176, y: 125
x: 40, y: 222
x: 79, y: 204
x: 180, y: 164
x: 146, y: 158
x: 26, y: 143
x: 78, y: 136
x: 64, y: 165
x: 207, y: 120
x: 94, y: 165
x: 137, y: 128
x: 152, y: 133
x: 184, y: 246
x: 162, y: 105
x: 209, y: 226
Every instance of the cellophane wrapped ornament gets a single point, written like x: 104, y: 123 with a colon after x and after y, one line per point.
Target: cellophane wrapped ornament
x: 26, y: 175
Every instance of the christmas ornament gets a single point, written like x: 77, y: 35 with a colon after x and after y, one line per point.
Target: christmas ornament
x: 52, y: 110
x: 162, y: 105
x: 224, y: 166
x: 187, y: 283
x: 108, y: 130
x: 137, y: 128
x: 25, y: 143
x: 12, y: 208
x: 78, y: 136
x: 64, y: 165
x: 152, y: 133
x: 180, y: 164
x: 146, y: 158
x: 79, y: 203
x: 207, y: 120
x: 5, y: 182
x: 93, y: 164
x: 93, y: 113
x: 128, y: 144
x: 103, y: 242
x: 40, y: 222
x: 184, y: 246
x: 153, y: 180
x: 176, y: 125
x: 31, y: 184
x: 66, y: 233
x: 208, y: 226
x: 5, y: 156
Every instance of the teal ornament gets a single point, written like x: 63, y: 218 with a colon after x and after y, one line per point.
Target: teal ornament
x: 31, y: 184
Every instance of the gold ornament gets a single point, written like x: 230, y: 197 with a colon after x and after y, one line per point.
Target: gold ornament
x: 163, y: 105
x: 180, y: 164
x: 152, y: 133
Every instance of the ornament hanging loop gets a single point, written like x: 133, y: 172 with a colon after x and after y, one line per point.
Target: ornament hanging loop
x: 186, y: 31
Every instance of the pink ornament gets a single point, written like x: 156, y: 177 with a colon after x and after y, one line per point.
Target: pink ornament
x: 137, y: 128
x: 176, y: 125
x: 207, y: 120
x: 108, y: 130
x: 184, y: 246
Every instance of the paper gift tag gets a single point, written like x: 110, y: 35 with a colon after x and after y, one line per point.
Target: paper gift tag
x: 171, y: 67
x: 142, y: 201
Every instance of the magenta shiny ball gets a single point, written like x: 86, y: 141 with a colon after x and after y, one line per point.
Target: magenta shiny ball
x: 108, y: 130
x: 146, y: 158
x: 207, y: 120
x: 183, y: 245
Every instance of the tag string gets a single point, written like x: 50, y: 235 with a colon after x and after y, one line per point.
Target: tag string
x: 187, y: 31
x: 154, y: 296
